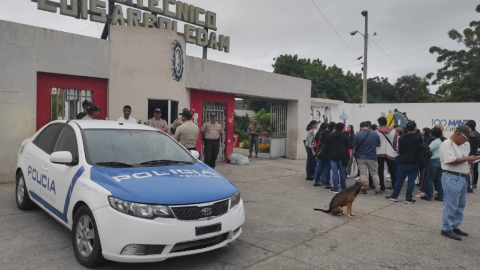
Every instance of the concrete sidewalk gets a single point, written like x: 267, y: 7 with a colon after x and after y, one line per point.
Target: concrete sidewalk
x: 281, y: 232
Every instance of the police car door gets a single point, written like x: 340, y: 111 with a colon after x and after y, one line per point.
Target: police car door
x: 64, y: 176
x: 37, y: 155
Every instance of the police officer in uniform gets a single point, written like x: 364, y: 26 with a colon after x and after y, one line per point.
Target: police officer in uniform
x: 85, y: 105
x: 253, y: 138
x: 187, y: 133
x: 93, y: 112
x: 211, y: 132
x: 157, y: 122
x: 178, y: 122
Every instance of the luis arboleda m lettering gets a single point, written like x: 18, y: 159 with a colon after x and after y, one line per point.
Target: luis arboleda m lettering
x: 147, y: 13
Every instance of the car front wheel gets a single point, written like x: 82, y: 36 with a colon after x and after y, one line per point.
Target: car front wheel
x: 21, y: 194
x: 85, y: 239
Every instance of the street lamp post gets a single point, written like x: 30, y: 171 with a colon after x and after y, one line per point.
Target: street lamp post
x: 365, y: 55
x: 365, y: 59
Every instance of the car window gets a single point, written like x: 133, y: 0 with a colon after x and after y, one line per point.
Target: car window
x: 46, y: 138
x: 67, y: 141
x: 132, y: 146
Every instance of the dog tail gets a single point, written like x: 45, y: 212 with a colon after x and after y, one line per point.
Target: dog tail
x: 321, y: 210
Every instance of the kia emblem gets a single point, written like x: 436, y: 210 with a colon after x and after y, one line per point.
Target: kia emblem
x: 207, y: 211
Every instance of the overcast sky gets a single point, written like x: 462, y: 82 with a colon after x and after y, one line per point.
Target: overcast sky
x: 264, y: 29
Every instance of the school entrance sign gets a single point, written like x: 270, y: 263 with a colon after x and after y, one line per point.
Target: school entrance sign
x: 146, y: 13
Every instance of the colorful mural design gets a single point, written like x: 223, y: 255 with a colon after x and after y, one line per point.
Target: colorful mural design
x: 396, y: 118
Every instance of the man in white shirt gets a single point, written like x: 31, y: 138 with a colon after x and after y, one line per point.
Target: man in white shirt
x: 455, y: 164
x: 127, y: 110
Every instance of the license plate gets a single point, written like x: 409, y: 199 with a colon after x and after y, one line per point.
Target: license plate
x: 208, y: 229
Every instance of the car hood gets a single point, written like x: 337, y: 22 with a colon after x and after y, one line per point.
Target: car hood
x: 167, y: 185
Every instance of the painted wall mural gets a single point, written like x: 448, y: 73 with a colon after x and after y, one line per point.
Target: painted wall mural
x: 321, y: 114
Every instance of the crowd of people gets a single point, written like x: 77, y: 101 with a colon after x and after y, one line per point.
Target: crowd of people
x: 423, y: 158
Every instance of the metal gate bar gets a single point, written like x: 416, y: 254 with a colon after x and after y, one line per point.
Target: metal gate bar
x: 278, y: 119
x: 219, y: 110
x: 60, y: 97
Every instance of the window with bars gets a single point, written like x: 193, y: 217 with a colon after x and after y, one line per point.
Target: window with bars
x: 65, y: 104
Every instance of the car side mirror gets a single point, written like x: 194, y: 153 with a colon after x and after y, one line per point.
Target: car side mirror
x: 195, y: 154
x: 61, y: 157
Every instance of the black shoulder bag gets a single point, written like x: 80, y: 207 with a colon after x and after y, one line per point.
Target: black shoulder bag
x: 362, y: 141
x: 390, y: 142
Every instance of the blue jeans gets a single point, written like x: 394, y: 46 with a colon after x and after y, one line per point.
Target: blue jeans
x: 310, y: 163
x: 338, y: 166
x: 434, y: 175
x: 325, y: 176
x: 455, y: 198
x: 404, y: 171
x: 319, y: 169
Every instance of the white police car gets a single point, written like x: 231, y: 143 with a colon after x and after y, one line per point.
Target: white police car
x: 128, y: 192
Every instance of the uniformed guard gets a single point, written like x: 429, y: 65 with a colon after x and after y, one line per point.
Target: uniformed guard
x: 85, y: 105
x: 93, y: 112
x: 211, y: 132
x: 157, y: 122
x: 187, y: 133
x: 253, y: 138
x: 178, y: 122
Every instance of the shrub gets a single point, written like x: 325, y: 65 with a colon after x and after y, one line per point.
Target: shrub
x: 245, y: 144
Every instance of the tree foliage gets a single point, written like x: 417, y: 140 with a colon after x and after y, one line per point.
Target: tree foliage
x: 333, y: 83
x: 459, y: 79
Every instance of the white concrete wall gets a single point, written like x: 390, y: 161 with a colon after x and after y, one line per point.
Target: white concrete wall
x: 214, y: 76
x: 24, y: 51
x: 141, y: 68
x: 450, y: 115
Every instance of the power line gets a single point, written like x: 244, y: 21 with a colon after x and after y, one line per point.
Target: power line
x: 388, y: 56
x: 353, y: 61
x: 333, y: 27
x: 98, y: 29
x: 85, y: 28
x: 409, y: 47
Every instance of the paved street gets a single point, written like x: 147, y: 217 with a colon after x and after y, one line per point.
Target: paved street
x: 281, y: 231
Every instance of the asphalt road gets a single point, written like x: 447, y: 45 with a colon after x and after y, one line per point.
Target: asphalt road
x: 281, y: 232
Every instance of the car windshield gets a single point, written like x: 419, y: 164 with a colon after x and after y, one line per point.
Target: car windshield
x: 127, y: 148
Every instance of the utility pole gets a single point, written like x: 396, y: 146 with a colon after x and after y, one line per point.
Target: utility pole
x: 365, y: 59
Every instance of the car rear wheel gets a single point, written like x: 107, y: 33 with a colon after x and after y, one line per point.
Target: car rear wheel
x: 21, y: 194
x: 85, y: 239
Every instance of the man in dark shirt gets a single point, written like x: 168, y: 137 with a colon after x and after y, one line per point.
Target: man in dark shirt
x: 338, y: 144
x: 85, y: 105
x: 325, y: 168
x: 409, y: 146
x: 474, y: 141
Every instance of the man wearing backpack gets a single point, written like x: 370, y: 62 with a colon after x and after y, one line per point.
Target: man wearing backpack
x: 410, y: 149
x: 387, y: 152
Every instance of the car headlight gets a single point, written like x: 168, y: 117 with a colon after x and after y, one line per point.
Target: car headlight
x: 235, y: 199
x: 141, y: 210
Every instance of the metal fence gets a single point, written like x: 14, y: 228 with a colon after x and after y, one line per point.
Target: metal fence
x: 67, y: 103
x: 278, y: 120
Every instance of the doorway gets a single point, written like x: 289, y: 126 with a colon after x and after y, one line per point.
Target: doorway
x: 218, y: 109
x: 169, y: 109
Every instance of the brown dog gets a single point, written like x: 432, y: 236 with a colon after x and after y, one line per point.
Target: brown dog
x: 345, y: 198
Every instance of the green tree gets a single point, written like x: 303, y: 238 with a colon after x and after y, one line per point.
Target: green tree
x: 263, y: 119
x: 412, y: 89
x: 459, y: 79
x: 332, y: 82
x: 256, y: 105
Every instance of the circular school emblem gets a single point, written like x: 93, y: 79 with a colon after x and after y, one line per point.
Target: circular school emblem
x: 177, y: 61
